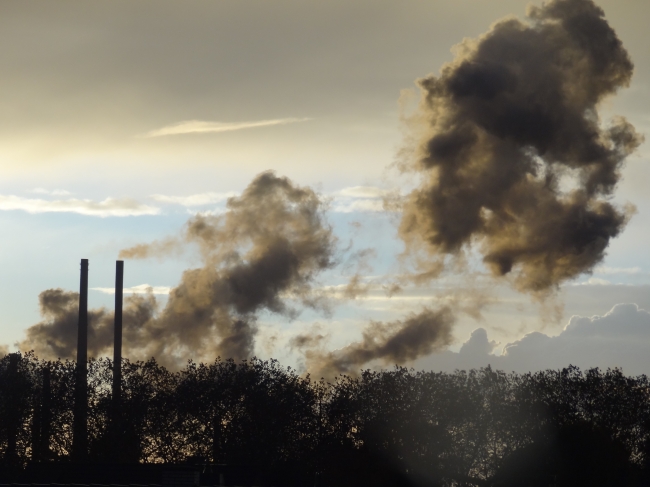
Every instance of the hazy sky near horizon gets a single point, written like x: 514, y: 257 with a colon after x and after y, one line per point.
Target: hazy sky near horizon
x: 120, y: 119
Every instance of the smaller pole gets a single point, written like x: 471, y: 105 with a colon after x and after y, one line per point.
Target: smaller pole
x: 117, y: 359
x: 80, y: 428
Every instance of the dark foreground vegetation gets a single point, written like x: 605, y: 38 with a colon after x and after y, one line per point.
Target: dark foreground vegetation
x: 390, y: 428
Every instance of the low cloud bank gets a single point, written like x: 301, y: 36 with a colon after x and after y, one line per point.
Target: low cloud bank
x: 359, y: 199
x: 106, y: 208
x: 620, y: 338
x: 53, y: 192
x: 199, y: 199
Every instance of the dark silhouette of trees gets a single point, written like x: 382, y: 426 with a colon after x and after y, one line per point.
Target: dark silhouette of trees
x: 396, y: 427
x: 17, y: 393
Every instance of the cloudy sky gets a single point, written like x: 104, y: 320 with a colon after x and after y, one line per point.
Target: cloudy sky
x: 122, y: 119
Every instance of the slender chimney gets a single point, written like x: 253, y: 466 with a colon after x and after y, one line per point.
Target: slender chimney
x: 80, y: 428
x: 117, y: 359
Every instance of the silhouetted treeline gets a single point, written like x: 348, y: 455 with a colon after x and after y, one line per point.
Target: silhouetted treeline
x: 397, y: 427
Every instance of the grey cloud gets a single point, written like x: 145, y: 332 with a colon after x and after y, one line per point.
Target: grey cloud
x: 94, y: 75
x: 619, y: 338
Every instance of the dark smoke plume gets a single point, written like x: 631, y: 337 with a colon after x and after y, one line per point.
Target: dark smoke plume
x: 267, y: 247
x: 391, y: 343
x: 56, y: 335
x: 264, y: 251
x: 513, y: 114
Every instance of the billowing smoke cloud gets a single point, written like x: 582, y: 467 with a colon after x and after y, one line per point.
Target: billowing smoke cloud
x: 270, y: 244
x: 500, y: 131
x: 56, y: 335
x: 263, y: 253
x: 391, y: 343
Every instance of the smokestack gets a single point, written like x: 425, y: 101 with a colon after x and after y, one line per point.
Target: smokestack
x: 117, y: 357
x: 80, y: 430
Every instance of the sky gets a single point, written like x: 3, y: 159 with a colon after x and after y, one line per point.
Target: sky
x: 121, y: 121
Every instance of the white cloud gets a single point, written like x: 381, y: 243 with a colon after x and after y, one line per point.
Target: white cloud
x: 620, y: 338
x: 139, y: 289
x: 105, y: 208
x: 213, y: 212
x: 359, y: 199
x: 617, y: 270
x: 360, y: 205
x: 363, y: 192
x: 205, y: 127
x: 593, y: 281
x: 52, y: 192
x: 199, y: 199
x: 376, y: 293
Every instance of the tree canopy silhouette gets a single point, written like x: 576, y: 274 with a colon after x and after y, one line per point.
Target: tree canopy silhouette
x: 394, y: 427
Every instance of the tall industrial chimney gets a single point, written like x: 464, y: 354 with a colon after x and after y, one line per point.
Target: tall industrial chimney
x: 117, y: 360
x: 80, y: 427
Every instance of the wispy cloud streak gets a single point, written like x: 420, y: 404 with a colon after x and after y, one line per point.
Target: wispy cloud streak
x: 199, y: 199
x: 359, y: 199
x: 206, y: 127
x: 53, y: 192
x: 119, y: 207
x: 139, y: 289
x: 617, y: 270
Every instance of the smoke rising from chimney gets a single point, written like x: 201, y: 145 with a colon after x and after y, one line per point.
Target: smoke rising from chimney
x: 262, y: 254
x: 498, y: 129
x: 56, y: 335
